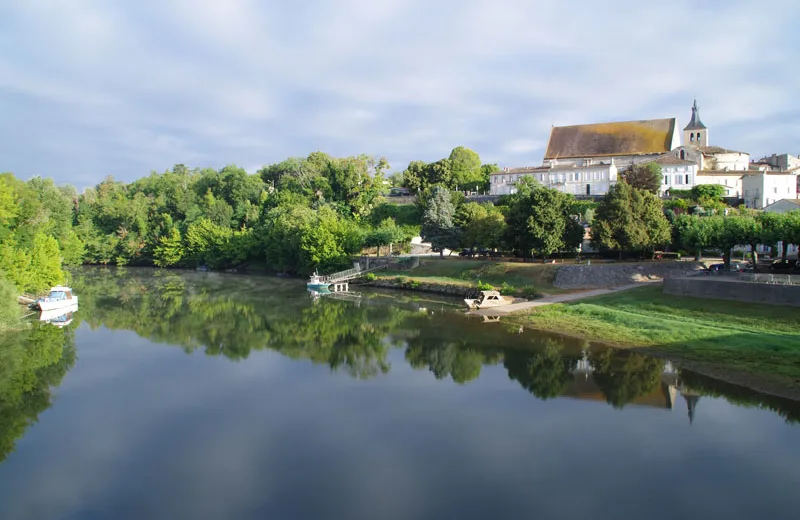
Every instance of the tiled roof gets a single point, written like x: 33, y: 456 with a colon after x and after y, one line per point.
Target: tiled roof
x: 726, y: 172
x: 650, y: 136
x: 711, y: 150
x: 524, y: 169
x: 672, y: 160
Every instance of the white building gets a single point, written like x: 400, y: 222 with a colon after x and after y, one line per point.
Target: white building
x: 586, y: 159
x: 764, y: 188
x: 731, y: 181
x: 676, y: 173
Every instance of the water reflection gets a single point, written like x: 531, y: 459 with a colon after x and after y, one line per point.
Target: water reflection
x: 353, y: 333
x: 32, y: 363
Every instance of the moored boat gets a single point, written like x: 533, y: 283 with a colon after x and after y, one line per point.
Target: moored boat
x: 60, y: 317
x: 59, y: 297
x: 488, y: 299
x: 318, y: 283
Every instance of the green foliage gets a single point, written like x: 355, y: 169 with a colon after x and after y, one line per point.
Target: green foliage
x: 438, y: 225
x: 481, y: 225
x: 539, y: 221
x: 10, y: 310
x: 643, y: 176
x: 508, y: 290
x: 630, y: 219
x: 485, y: 286
x: 465, y: 167
x: 170, y: 249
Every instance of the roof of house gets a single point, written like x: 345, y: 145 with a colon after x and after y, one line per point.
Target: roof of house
x: 671, y: 159
x: 521, y: 170
x: 796, y: 202
x: 726, y: 172
x: 711, y: 150
x: 650, y: 136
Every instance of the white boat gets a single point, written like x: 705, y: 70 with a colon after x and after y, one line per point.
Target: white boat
x: 58, y: 298
x: 60, y: 317
x: 488, y: 299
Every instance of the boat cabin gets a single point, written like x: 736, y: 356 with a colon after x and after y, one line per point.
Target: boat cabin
x: 58, y: 294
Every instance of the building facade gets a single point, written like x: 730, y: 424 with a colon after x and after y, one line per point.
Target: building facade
x: 676, y: 173
x: 764, y: 188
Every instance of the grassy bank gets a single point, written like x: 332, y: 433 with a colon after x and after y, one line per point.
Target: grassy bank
x: 453, y: 271
x: 757, y: 344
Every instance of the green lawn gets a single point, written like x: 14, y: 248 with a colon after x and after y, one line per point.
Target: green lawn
x: 468, y: 272
x: 758, y: 340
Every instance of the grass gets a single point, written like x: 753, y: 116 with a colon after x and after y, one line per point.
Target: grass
x: 754, y: 340
x: 468, y: 272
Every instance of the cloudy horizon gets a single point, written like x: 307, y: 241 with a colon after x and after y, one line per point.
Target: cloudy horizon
x: 90, y: 89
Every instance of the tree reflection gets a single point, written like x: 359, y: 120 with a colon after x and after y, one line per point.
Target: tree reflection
x: 32, y: 362
x: 624, y: 376
x: 545, y: 372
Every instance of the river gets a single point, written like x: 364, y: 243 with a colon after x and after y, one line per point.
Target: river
x: 205, y: 395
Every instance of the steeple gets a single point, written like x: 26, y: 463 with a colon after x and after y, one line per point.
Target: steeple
x: 695, y: 133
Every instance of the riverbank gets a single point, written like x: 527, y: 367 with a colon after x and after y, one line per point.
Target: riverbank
x: 748, y: 344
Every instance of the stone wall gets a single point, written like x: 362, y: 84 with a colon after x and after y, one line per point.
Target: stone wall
x: 584, y: 276
x: 721, y: 289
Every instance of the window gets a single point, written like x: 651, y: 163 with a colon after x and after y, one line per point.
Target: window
x: 678, y: 180
x: 683, y: 155
x: 577, y: 176
x: 666, y: 180
x: 698, y: 136
x: 691, y: 137
x: 588, y: 189
x: 687, y: 179
x: 775, y: 190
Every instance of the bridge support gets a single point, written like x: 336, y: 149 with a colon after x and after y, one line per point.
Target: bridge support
x: 341, y: 287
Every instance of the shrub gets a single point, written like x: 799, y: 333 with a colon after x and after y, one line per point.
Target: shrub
x: 370, y: 277
x: 528, y: 292
x: 508, y: 290
x: 485, y: 286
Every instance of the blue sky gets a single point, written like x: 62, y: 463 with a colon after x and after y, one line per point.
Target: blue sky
x: 91, y: 88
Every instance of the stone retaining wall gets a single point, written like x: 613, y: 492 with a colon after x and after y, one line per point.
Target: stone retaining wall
x: 720, y: 289
x: 585, y: 276
x: 461, y: 291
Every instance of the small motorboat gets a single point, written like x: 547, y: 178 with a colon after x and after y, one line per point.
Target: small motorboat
x: 59, y: 297
x: 318, y: 283
x: 489, y: 299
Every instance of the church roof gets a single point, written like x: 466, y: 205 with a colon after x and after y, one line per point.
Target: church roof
x: 695, y: 123
x: 651, y: 136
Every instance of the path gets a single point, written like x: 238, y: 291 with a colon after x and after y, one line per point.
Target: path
x: 561, y: 298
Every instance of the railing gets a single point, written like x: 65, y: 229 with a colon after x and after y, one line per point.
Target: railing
x: 770, y: 278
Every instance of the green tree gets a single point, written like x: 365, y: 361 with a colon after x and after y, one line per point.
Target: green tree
x: 643, y: 176
x: 438, y: 226
x: 481, y: 225
x: 465, y: 168
x: 169, y: 250
x: 629, y: 219
x: 9, y: 308
x: 698, y: 233
x: 45, y: 263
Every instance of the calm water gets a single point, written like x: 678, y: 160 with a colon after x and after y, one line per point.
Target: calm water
x: 203, y: 395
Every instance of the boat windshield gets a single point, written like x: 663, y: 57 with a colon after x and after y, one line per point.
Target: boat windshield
x: 57, y: 295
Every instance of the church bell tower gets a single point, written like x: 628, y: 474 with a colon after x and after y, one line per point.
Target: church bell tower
x: 695, y: 133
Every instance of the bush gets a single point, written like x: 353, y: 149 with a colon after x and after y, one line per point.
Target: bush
x: 370, y: 277
x: 485, y: 286
x: 528, y: 292
x: 508, y: 290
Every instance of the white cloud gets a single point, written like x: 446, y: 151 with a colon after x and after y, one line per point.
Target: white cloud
x: 209, y: 84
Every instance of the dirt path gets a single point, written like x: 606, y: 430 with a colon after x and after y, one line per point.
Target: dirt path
x: 561, y: 298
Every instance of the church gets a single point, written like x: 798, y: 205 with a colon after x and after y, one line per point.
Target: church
x: 585, y: 160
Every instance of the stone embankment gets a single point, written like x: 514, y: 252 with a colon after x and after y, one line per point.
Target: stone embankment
x: 729, y: 288
x: 586, y: 276
x: 462, y: 291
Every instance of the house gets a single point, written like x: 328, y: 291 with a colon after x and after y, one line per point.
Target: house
x: 584, y: 160
x: 731, y: 181
x: 676, y: 173
x: 762, y: 188
x: 783, y: 206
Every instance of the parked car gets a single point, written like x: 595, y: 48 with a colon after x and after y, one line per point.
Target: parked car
x: 735, y: 267
x: 784, y: 265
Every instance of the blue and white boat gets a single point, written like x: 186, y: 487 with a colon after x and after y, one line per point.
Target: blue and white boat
x: 58, y: 298
x: 318, y: 283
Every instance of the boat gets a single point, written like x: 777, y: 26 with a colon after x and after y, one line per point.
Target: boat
x: 488, y: 299
x: 60, y: 317
x: 318, y: 283
x: 58, y: 298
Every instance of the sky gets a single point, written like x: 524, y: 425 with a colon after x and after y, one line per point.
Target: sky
x: 96, y: 88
